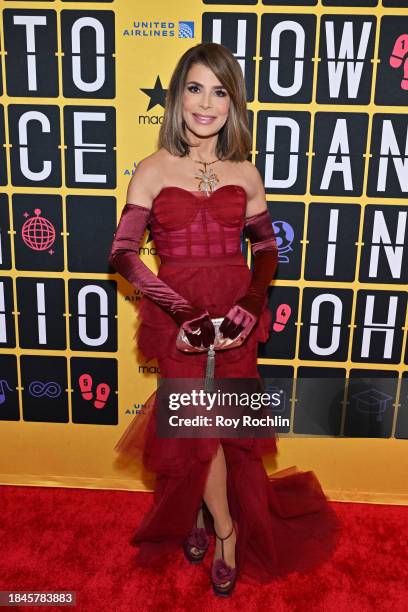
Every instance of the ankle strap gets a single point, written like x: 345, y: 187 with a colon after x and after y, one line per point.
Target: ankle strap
x: 230, y: 533
x: 222, y: 539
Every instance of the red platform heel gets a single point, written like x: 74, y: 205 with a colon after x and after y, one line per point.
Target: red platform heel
x: 221, y: 572
x: 197, y: 539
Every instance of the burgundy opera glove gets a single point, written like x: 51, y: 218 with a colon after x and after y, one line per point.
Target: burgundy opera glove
x: 236, y: 321
x: 206, y: 333
x: 242, y: 317
x: 125, y: 258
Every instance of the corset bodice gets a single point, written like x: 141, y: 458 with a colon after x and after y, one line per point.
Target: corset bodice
x: 192, y: 224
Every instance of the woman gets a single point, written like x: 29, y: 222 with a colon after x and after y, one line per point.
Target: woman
x: 198, y: 192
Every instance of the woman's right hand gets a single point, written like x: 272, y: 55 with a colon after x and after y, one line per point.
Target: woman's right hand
x: 197, y: 326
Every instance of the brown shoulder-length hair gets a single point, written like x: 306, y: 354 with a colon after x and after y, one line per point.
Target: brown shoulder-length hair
x: 234, y: 139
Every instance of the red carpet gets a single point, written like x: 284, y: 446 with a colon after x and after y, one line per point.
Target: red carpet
x: 77, y: 539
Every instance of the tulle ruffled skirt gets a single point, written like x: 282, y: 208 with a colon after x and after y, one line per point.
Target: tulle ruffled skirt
x: 285, y: 522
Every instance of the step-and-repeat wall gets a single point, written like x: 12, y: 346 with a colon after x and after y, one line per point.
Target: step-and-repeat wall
x: 83, y: 87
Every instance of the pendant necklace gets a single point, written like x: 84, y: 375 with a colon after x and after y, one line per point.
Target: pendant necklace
x: 207, y: 182
x: 207, y: 178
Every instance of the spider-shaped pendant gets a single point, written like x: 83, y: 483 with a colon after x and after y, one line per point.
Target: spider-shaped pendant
x: 208, y: 180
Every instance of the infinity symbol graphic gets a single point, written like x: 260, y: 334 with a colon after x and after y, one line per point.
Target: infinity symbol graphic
x: 40, y: 389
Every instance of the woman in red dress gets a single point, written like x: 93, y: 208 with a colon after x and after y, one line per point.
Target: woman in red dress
x: 197, y: 193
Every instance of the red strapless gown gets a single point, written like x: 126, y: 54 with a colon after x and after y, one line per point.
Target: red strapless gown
x: 284, y: 521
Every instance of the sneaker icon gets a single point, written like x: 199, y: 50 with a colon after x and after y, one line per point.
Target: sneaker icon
x: 399, y: 56
x: 102, y: 394
x: 283, y: 313
x: 85, y: 385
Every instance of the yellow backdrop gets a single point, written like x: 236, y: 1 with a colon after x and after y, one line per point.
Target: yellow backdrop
x: 148, y: 42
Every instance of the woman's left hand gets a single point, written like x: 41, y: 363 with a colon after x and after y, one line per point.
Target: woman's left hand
x: 238, y: 322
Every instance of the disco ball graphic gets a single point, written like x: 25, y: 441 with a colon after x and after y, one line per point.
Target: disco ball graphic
x: 38, y: 233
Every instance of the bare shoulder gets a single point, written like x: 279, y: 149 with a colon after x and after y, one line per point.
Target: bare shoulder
x: 254, y: 187
x: 145, y: 182
x: 252, y: 178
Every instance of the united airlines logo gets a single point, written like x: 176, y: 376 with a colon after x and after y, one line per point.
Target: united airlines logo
x: 186, y: 29
x: 160, y: 29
